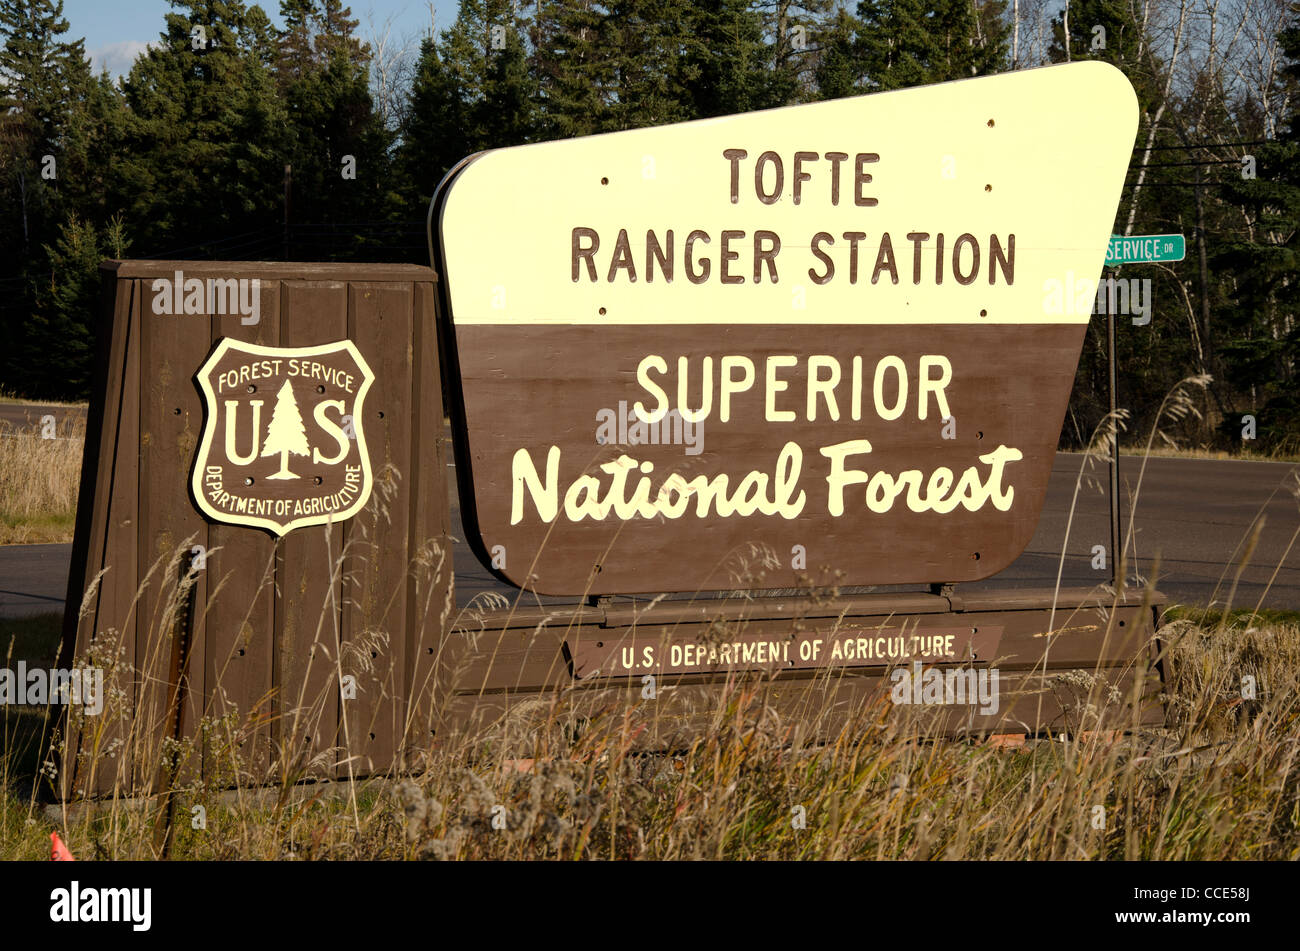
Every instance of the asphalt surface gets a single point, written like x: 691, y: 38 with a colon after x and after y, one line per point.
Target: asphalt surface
x: 1196, y: 516
x: 1193, y: 527
x: 28, y: 416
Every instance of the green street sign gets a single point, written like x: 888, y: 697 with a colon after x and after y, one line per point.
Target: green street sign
x: 1145, y: 248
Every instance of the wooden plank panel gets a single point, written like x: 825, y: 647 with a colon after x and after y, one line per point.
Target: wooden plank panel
x: 276, y: 270
x: 307, y: 615
x: 241, y: 609
x: 531, y: 387
x: 1017, y: 599
x: 171, y: 422
x: 429, y: 646
x: 119, y: 610
x: 104, y: 537
x: 868, y: 605
x: 374, y: 584
x: 529, y: 658
x: 811, y: 711
x: 1080, y: 637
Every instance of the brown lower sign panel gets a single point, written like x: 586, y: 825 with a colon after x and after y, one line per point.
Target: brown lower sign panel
x: 879, y: 454
x: 847, y: 645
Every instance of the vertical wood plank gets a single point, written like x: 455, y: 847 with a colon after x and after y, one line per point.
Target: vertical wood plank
x: 172, y: 347
x: 374, y: 603
x: 241, y: 609
x: 431, y: 596
x: 105, y: 537
x: 307, y: 612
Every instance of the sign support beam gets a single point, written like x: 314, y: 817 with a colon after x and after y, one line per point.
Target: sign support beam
x: 1117, y: 570
x: 1127, y: 249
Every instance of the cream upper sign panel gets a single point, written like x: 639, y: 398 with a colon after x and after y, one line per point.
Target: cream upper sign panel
x: 986, y: 201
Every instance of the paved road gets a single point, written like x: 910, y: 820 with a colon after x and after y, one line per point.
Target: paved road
x: 33, y: 579
x: 28, y: 415
x: 1196, y: 515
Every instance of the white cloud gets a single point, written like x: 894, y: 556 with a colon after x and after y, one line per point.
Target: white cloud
x: 116, y: 57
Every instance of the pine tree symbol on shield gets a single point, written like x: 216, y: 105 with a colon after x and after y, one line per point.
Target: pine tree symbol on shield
x: 285, y: 433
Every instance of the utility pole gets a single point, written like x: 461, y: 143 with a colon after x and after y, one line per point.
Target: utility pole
x: 1117, y: 571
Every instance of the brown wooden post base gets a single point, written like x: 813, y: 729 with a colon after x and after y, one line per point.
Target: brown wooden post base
x: 1076, y: 662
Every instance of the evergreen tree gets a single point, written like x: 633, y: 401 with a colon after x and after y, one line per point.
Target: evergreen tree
x: 905, y: 43
x: 37, y: 70
x: 646, y: 41
x: 1261, y: 318
x: 93, y: 139
x: 335, y: 142
x: 56, y: 351
x: 1109, y: 31
x: 433, y: 138
x: 838, y: 71
x: 728, y: 64
x: 206, y: 139
x: 576, y: 68
x: 790, y: 29
x: 473, y: 90
x: 44, y: 137
x: 505, y: 112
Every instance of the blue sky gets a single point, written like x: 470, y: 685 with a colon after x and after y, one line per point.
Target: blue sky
x: 117, y: 30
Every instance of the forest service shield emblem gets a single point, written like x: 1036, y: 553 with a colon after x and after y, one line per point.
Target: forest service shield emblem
x: 283, y: 444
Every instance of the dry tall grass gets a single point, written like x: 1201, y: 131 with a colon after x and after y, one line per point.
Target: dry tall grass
x: 562, y: 777
x: 39, y: 479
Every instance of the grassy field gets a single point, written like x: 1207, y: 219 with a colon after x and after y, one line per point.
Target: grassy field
x: 7, y: 397
x: 39, y: 479
x: 1219, y: 780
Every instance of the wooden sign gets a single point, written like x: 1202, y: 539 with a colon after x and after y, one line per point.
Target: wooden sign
x: 849, y: 645
x: 734, y: 352
x: 283, y: 444
x: 320, y: 642
x: 215, y: 622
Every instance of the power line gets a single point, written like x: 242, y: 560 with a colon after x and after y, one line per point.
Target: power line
x: 209, y: 244
x: 1177, y: 184
x: 1219, y: 161
x: 1203, y: 145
